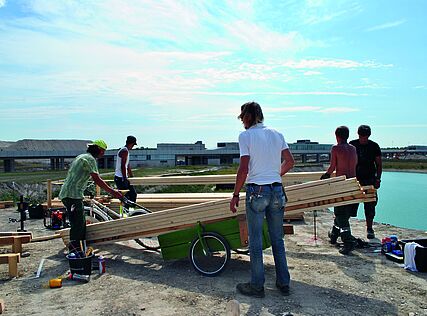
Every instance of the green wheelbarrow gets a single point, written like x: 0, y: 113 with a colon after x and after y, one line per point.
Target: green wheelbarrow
x: 208, y: 245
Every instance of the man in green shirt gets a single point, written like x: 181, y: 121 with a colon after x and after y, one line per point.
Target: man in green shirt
x: 82, y: 169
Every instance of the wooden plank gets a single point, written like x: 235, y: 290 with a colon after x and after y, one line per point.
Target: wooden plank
x: 290, y: 177
x: 2, y: 234
x: 45, y: 238
x: 49, y: 193
x: 10, y: 240
x: 243, y: 230
x: 12, y: 260
x: 15, y: 241
x: 6, y: 204
x: 288, y: 229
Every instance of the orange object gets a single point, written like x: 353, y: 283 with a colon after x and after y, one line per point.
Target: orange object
x: 54, y: 283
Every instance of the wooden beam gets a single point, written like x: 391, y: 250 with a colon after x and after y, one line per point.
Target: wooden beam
x: 12, y: 260
x: 291, y: 177
x: 45, y: 238
x: 49, y: 193
x: 15, y: 241
x: 3, y: 234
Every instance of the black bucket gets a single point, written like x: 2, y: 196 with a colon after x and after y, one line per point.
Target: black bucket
x: 81, y: 265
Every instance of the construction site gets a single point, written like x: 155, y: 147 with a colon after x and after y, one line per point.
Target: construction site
x: 154, y: 259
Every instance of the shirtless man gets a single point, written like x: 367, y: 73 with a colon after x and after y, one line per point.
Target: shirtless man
x: 344, y: 161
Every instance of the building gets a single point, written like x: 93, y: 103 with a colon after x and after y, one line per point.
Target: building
x: 170, y: 154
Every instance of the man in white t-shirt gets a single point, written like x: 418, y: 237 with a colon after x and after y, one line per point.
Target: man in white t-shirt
x: 264, y: 159
x: 123, y: 170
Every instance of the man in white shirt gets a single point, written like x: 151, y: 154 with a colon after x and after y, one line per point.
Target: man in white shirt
x: 123, y: 170
x: 264, y: 159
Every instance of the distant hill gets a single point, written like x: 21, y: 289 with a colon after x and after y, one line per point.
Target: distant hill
x: 4, y: 144
x: 45, y: 145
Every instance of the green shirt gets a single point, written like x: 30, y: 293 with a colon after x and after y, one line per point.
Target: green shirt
x: 78, y: 176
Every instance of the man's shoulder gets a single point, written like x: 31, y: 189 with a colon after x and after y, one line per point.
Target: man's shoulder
x: 87, y: 157
x: 372, y: 143
x: 354, y: 142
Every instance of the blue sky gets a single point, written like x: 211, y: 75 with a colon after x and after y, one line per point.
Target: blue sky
x: 178, y: 71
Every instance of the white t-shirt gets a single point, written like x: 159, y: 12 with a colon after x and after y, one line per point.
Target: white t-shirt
x: 118, y: 172
x: 264, y: 146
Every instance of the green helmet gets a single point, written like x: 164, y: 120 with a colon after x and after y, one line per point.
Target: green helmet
x: 100, y: 143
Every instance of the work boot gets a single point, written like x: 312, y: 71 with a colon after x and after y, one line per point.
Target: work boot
x: 370, y: 234
x: 284, y: 289
x: 248, y: 290
x: 348, y: 248
x: 333, y: 235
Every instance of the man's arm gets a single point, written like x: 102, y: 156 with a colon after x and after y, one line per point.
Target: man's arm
x: 242, y: 173
x: 288, y: 162
x: 101, y: 183
x: 332, y: 165
x: 130, y: 174
x: 379, y: 165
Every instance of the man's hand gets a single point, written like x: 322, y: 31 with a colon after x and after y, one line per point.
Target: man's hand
x: 325, y: 176
x: 377, y: 183
x: 234, y: 203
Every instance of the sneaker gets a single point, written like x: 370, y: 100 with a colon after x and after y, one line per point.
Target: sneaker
x: 370, y: 233
x: 332, y: 238
x: 284, y: 289
x: 248, y: 290
x: 347, y: 249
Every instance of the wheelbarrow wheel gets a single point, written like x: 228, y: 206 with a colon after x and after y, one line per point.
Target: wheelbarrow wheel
x: 211, y: 255
x: 151, y: 243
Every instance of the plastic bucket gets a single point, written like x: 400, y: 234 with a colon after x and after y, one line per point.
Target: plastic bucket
x: 81, y: 265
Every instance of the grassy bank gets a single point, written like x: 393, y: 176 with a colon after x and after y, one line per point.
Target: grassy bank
x: 405, y: 164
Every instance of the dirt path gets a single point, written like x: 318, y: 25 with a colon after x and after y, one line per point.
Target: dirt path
x: 139, y: 282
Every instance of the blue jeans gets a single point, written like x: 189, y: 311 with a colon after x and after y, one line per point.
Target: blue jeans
x: 266, y: 201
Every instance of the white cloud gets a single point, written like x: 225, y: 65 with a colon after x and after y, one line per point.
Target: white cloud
x: 292, y: 109
x: 331, y: 63
x: 42, y: 112
x: 256, y: 37
x: 317, y: 109
x: 339, y: 110
x: 386, y: 25
x: 2, y: 3
x: 312, y: 73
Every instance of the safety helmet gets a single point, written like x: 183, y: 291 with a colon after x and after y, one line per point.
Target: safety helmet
x: 100, y: 143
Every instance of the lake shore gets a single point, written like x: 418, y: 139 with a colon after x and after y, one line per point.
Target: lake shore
x: 406, y: 170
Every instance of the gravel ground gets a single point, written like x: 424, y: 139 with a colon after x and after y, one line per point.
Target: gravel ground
x: 140, y: 282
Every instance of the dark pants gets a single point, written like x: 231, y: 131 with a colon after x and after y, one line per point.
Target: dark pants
x: 341, y: 226
x: 76, y: 216
x: 369, y: 206
x: 125, y: 185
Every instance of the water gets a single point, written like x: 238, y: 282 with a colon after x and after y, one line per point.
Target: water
x: 402, y: 200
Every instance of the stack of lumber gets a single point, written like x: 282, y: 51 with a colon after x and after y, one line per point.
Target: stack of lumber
x: 162, y: 201
x: 303, y: 197
x: 288, y: 179
x: 6, y: 204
